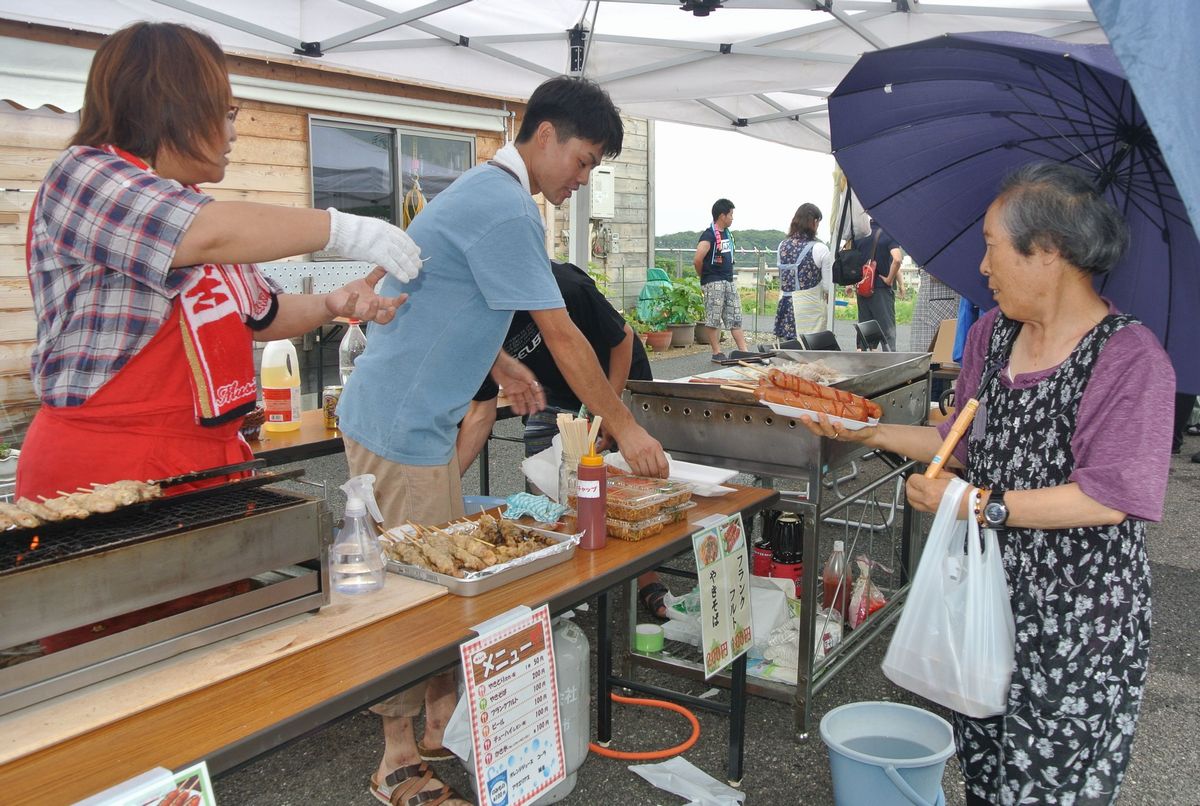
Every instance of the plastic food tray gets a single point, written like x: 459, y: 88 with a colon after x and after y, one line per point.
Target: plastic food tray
x: 674, y: 492
x: 677, y: 513
x: 635, y: 530
x: 488, y: 579
x: 629, y: 503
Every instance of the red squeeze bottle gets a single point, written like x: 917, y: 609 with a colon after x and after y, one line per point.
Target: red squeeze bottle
x: 591, y: 501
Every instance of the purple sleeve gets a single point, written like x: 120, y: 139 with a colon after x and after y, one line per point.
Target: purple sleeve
x: 1122, y: 440
x: 1122, y: 443
x: 967, y: 384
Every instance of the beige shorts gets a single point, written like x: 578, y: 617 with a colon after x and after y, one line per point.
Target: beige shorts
x: 426, y: 495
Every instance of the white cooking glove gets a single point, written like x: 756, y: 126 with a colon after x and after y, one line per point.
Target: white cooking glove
x: 375, y: 241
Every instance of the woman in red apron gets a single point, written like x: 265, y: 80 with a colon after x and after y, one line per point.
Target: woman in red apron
x: 146, y: 296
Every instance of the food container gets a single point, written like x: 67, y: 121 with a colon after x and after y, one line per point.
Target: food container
x: 496, y: 575
x: 674, y: 492
x: 677, y: 513
x: 635, y: 530
x: 630, y: 503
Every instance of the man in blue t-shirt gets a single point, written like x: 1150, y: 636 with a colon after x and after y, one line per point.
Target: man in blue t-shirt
x: 483, y: 245
x: 713, y: 261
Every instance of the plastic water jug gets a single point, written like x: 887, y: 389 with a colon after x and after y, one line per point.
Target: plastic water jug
x: 280, y: 380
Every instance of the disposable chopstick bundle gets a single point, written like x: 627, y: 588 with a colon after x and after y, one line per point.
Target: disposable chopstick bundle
x: 574, y: 431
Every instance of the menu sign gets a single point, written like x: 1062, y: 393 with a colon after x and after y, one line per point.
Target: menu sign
x: 512, y: 700
x: 724, y: 573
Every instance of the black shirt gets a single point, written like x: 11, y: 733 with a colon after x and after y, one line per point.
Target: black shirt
x: 599, y: 322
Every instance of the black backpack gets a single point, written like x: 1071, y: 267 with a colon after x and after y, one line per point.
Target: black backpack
x: 849, y: 259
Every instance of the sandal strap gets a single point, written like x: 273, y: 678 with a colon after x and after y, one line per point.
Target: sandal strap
x: 430, y: 797
x: 408, y: 781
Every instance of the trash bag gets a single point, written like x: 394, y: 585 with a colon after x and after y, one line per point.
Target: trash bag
x: 658, y: 283
x: 954, y: 642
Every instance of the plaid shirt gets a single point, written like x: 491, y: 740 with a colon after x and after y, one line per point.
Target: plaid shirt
x: 100, y: 251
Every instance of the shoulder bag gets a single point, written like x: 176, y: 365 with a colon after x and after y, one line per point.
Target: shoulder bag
x: 866, y: 286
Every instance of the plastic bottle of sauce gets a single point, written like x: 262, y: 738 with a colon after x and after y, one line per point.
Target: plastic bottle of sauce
x: 591, y: 501
x: 280, y: 380
x: 835, y: 581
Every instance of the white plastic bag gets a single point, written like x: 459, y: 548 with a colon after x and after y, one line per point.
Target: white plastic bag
x: 954, y: 642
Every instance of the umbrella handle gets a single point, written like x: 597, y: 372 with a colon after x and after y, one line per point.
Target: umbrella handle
x: 961, y: 422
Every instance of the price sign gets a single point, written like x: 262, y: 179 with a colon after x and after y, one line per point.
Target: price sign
x: 512, y: 699
x: 724, y: 578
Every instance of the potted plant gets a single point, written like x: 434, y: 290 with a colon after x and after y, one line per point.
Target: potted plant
x: 684, y: 307
x: 639, y: 327
x: 658, y: 337
x: 8, y: 462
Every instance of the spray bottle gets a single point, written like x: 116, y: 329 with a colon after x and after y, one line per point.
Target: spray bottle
x: 356, y: 558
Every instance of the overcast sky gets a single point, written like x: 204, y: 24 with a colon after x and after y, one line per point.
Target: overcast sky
x: 694, y: 166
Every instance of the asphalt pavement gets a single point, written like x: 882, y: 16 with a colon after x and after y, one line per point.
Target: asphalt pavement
x: 333, y: 764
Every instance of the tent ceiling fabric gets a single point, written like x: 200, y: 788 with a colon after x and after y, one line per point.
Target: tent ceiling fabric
x: 760, y: 67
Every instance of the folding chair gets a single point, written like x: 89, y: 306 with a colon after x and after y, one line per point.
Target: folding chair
x: 870, y: 335
x: 821, y: 340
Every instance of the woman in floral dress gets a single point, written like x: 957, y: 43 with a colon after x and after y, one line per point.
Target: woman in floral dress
x: 1071, y: 444
x: 805, y: 277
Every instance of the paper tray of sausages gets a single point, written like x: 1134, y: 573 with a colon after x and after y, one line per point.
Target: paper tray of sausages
x: 790, y: 411
x: 474, y: 583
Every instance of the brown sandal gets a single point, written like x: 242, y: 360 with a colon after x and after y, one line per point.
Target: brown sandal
x: 405, y: 786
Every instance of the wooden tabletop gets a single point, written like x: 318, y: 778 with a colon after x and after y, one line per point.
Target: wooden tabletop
x: 313, y: 439
x: 230, y: 719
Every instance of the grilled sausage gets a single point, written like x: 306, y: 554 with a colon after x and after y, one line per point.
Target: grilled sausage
x: 793, y: 383
x: 835, y: 408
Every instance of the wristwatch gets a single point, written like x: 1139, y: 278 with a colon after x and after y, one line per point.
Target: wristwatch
x: 995, y: 511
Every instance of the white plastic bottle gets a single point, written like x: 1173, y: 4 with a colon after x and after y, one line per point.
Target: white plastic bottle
x: 350, y: 348
x: 356, y: 563
x: 280, y: 381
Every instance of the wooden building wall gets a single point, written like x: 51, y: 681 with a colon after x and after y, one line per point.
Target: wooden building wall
x: 269, y: 163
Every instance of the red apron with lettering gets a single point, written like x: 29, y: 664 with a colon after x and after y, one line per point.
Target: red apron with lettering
x: 141, y: 424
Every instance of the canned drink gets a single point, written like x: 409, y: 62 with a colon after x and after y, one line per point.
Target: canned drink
x: 329, y: 401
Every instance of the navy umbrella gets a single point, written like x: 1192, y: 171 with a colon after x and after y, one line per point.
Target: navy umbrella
x: 925, y: 133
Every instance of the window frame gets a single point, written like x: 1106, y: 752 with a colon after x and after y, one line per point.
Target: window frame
x: 398, y: 133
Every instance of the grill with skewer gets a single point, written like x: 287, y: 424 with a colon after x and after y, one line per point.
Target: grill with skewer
x: 84, y: 600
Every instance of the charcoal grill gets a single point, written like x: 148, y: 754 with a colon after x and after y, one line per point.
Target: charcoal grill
x: 248, y: 554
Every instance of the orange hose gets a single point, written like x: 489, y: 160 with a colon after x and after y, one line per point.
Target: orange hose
x: 651, y: 754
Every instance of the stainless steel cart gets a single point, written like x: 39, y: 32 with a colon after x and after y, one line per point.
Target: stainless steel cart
x: 847, y: 492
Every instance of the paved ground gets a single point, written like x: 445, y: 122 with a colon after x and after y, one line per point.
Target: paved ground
x: 332, y: 765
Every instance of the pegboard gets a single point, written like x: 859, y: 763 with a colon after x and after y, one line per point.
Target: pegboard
x: 326, y: 277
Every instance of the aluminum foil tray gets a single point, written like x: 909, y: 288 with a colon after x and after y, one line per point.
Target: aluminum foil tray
x: 488, y: 579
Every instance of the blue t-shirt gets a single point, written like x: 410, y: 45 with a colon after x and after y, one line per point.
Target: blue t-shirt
x: 718, y: 265
x: 485, y: 256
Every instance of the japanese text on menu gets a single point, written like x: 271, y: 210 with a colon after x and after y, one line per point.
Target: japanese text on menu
x: 512, y: 697
x: 724, y: 574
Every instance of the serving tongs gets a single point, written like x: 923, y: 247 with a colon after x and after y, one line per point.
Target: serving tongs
x: 210, y: 473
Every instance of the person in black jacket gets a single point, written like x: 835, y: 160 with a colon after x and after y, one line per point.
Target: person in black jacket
x: 620, y: 353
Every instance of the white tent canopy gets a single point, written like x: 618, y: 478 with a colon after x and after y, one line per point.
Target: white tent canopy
x: 759, y: 67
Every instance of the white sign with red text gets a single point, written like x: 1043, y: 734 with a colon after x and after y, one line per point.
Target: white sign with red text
x: 512, y: 700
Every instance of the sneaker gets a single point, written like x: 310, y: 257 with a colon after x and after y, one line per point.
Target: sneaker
x: 719, y: 357
x: 1196, y: 458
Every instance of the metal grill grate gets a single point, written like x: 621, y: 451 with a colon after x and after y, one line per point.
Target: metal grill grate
x: 28, y: 548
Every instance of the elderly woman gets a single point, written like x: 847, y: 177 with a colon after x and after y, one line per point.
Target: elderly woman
x: 146, y: 296
x: 1071, y: 450
x: 805, y: 277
